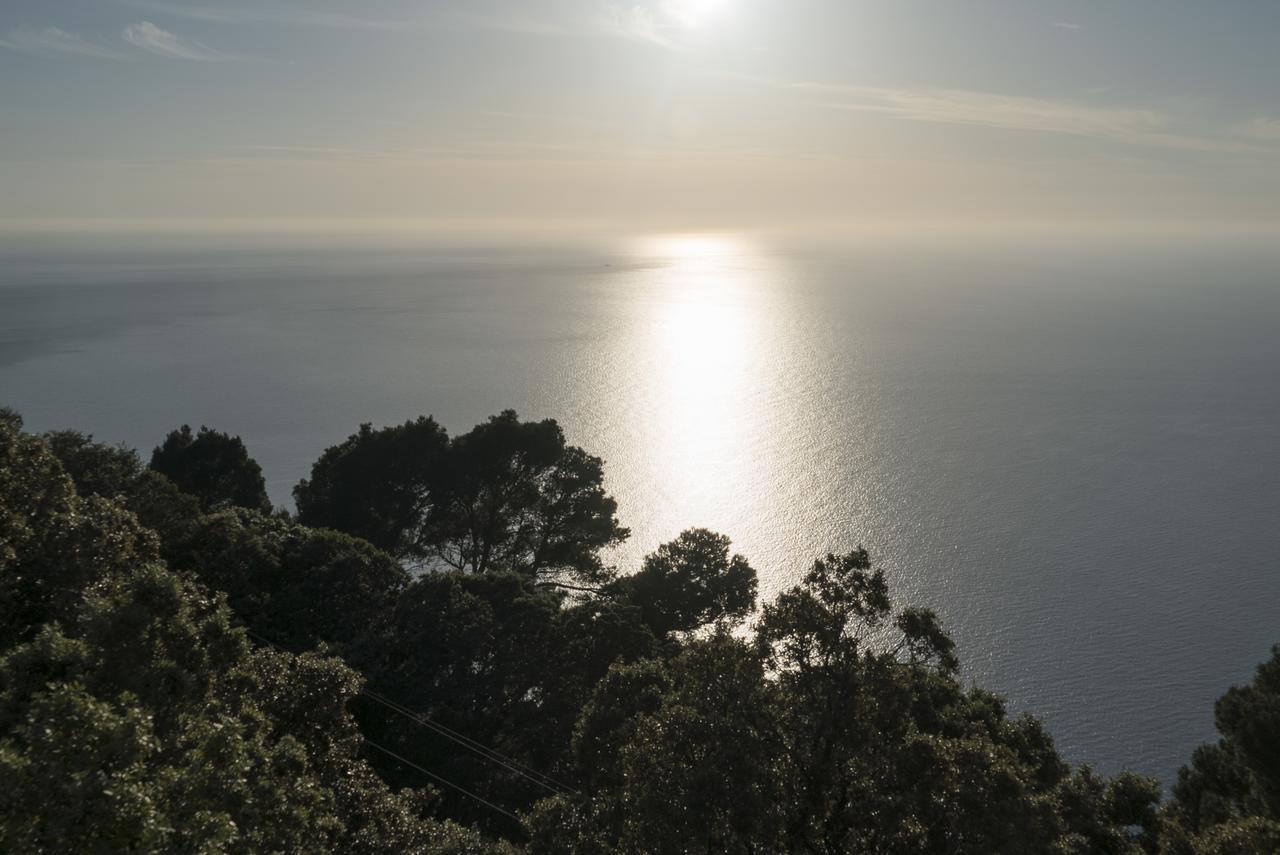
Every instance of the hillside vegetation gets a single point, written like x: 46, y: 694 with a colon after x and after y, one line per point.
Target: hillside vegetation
x: 431, y: 656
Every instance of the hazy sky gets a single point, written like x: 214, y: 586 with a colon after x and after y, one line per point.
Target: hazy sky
x: 669, y: 113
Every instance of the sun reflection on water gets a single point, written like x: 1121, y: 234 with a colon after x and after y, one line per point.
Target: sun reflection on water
x: 704, y: 344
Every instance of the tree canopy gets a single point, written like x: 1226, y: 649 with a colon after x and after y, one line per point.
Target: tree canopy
x: 135, y: 716
x: 182, y: 672
x: 506, y: 496
x: 689, y: 583
x: 1228, y: 798
x: 376, y: 484
x: 212, y: 466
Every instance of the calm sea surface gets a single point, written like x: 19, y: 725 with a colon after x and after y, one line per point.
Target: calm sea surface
x: 1070, y: 451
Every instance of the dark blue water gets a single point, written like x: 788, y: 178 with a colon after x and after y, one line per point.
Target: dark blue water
x: 1070, y: 450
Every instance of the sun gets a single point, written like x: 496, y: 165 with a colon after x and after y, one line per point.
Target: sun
x: 692, y: 13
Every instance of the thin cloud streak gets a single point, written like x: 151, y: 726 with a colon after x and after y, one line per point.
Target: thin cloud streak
x: 639, y: 23
x: 651, y: 22
x: 984, y: 109
x: 149, y: 37
x: 266, y: 13
x: 51, y: 40
x: 1261, y: 128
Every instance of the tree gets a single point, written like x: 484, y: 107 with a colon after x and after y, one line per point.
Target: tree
x: 293, y: 585
x: 839, y: 728
x: 689, y: 583
x: 1229, y: 795
x: 135, y: 717
x: 376, y: 484
x: 512, y: 495
x: 96, y: 468
x: 52, y: 543
x: 500, y: 659
x: 117, y: 473
x: 865, y: 768
x: 506, y: 496
x: 690, y: 766
x: 149, y: 724
x: 212, y: 466
x: 472, y: 652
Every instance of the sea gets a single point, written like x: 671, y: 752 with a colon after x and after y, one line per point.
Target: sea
x: 1067, y: 446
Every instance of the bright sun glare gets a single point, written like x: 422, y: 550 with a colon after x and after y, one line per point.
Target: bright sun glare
x: 692, y: 13
x: 703, y: 324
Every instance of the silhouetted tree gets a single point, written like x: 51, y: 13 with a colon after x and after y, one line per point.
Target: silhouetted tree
x: 376, y: 484
x: 212, y: 466
x: 689, y: 583
x: 512, y: 495
x: 1228, y: 798
x: 506, y: 496
x: 135, y: 715
x: 841, y: 728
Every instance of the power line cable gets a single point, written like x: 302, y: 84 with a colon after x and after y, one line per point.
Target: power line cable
x: 467, y: 742
x: 545, y: 781
x: 437, y: 778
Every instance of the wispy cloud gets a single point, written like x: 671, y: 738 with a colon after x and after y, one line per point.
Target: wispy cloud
x: 1261, y: 128
x: 1067, y: 25
x: 51, y: 40
x: 149, y: 37
x: 984, y: 109
x: 638, y: 23
x: 310, y: 152
x: 266, y: 12
x: 664, y: 23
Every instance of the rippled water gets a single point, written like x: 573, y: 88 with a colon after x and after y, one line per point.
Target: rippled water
x: 1070, y: 451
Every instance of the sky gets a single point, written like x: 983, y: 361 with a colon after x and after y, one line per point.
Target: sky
x: 671, y: 114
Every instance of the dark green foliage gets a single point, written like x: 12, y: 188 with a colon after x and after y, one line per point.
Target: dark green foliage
x: 212, y: 466
x: 135, y: 717
x: 52, y: 543
x: 1098, y: 814
x: 116, y: 472
x: 75, y: 771
x: 634, y: 716
x: 295, y: 586
x: 587, y: 637
x: 156, y: 728
x: 682, y: 757
x: 883, y: 751
x: 33, y: 493
x: 162, y: 507
x: 96, y: 468
x: 1249, y: 836
x: 470, y: 651
x: 1230, y: 793
x: 1248, y: 717
x: 689, y: 583
x: 506, y: 496
x: 375, y: 484
x: 511, y: 495
x: 841, y: 728
x: 501, y: 659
